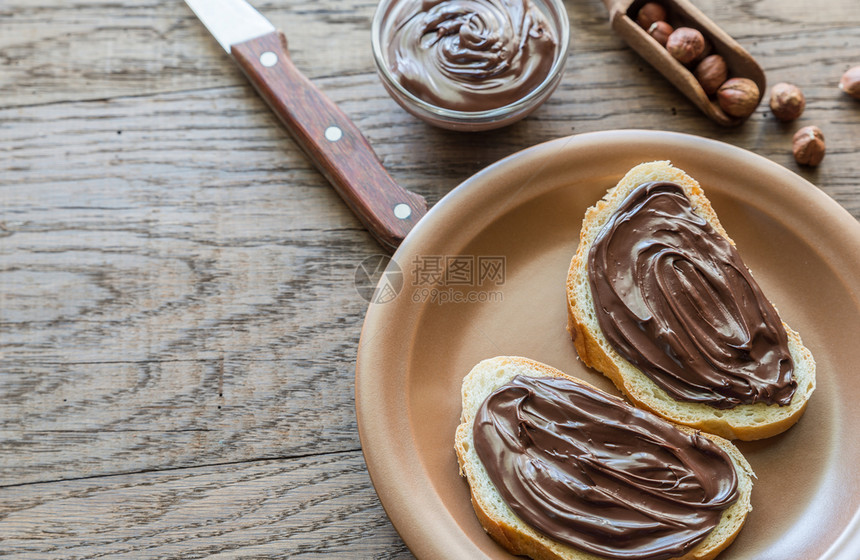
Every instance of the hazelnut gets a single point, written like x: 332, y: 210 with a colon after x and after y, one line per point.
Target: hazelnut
x: 660, y: 30
x: 786, y: 101
x: 686, y: 44
x: 738, y: 97
x: 850, y: 82
x: 808, y: 146
x: 711, y: 73
x: 649, y: 13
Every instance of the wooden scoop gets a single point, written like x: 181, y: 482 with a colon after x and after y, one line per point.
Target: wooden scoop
x: 681, y: 13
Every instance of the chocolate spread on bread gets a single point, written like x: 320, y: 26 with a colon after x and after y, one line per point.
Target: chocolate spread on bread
x: 469, y: 55
x: 674, y: 298
x: 587, y: 469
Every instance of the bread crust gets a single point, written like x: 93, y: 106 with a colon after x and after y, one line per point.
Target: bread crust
x: 744, y: 422
x: 515, y: 535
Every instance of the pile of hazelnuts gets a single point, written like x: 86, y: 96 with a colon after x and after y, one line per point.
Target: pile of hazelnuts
x: 739, y: 97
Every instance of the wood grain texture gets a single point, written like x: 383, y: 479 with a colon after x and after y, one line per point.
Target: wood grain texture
x: 178, y: 321
x: 98, y: 49
x: 295, y: 508
x: 153, y: 294
x: 53, y: 50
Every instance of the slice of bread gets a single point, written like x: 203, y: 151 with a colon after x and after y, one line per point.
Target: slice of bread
x: 519, y: 538
x: 745, y: 421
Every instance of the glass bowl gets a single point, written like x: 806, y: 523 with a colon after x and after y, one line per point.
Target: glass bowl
x: 556, y: 16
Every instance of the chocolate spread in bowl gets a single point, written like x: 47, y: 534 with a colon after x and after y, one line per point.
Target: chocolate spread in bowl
x: 674, y: 298
x: 587, y: 469
x: 469, y: 55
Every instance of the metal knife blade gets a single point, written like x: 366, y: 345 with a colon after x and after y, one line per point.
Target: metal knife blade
x: 230, y: 21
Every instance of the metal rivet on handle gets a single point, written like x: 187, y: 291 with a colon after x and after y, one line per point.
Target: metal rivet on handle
x: 333, y: 134
x: 268, y: 59
x: 402, y: 211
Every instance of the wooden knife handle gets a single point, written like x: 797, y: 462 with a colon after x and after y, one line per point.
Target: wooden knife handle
x: 330, y: 140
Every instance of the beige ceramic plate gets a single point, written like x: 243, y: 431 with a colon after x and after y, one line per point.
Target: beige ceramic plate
x: 802, y: 247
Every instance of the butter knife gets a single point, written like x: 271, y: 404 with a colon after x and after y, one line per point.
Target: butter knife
x: 328, y: 137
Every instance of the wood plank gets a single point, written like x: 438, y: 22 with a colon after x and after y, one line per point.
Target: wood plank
x: 297, y: 508
x: 168, y: 297
x: 97, y: 49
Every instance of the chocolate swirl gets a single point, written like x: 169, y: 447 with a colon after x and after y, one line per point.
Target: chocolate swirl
x: 589, y: 470
x: 674, y: 298
x: 469, y: 55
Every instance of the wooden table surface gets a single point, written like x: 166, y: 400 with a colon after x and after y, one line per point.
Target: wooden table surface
x: 178, y: 317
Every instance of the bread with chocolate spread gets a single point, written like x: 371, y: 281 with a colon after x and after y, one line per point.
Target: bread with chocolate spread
x: 660, y: 302
x: 559, y: 470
